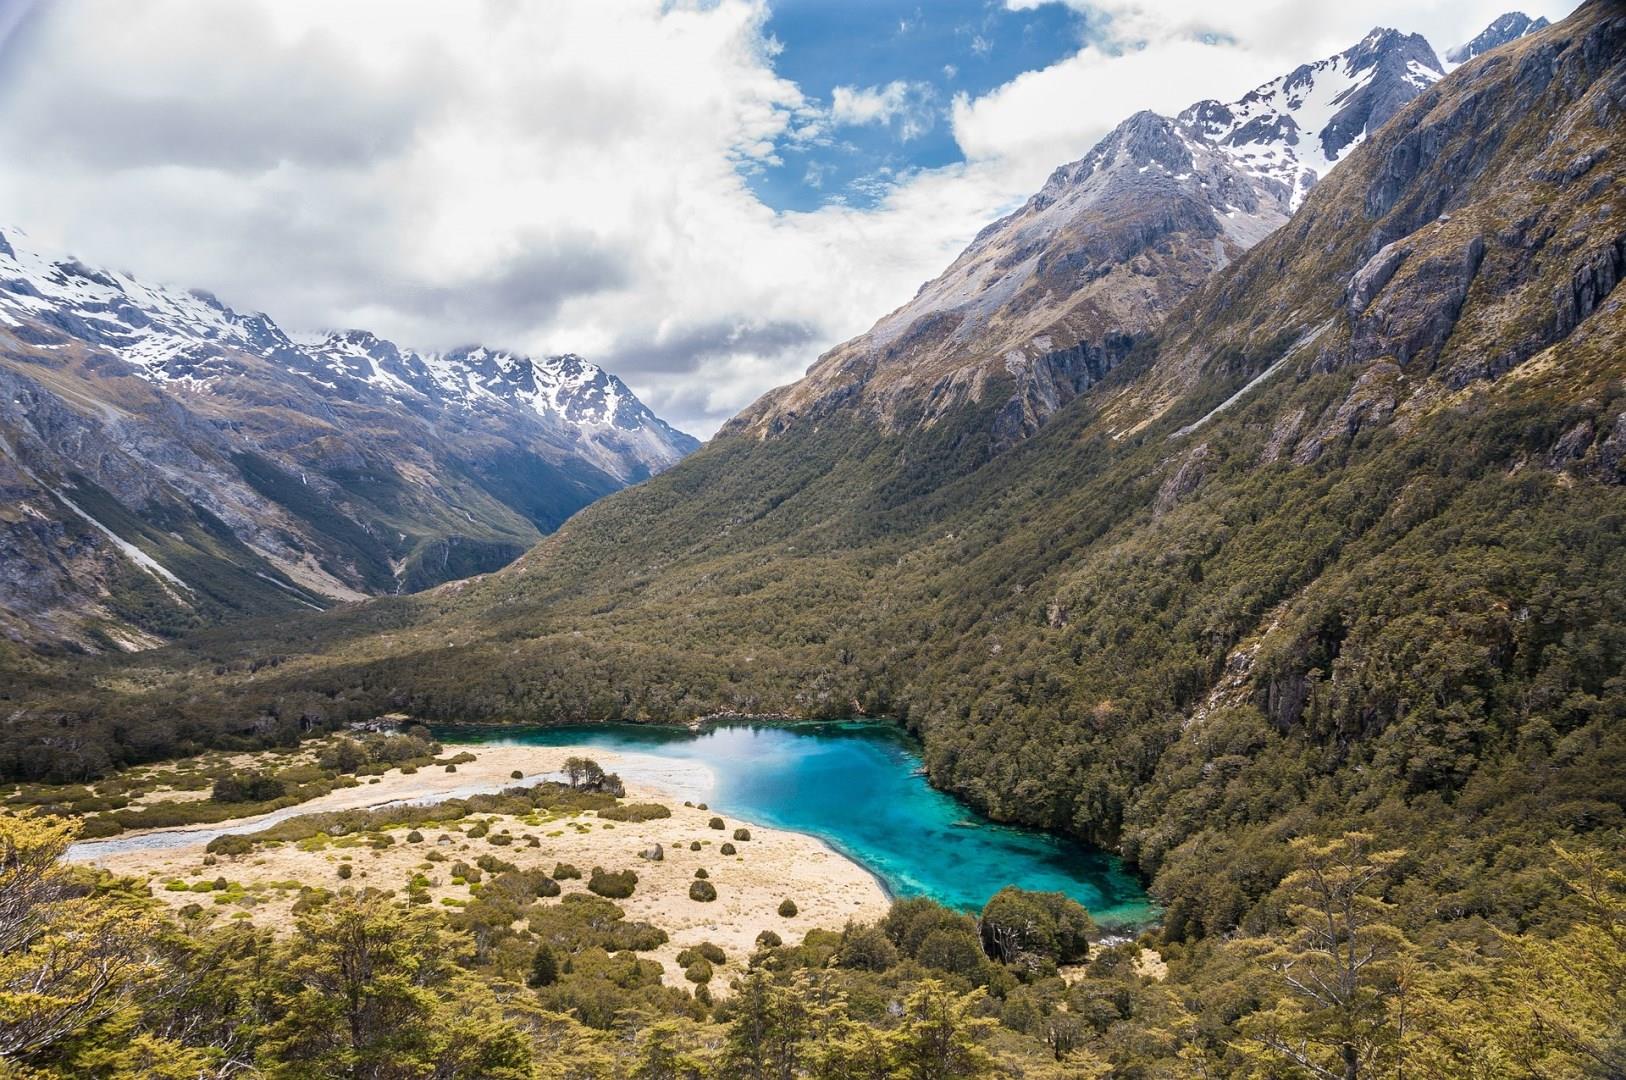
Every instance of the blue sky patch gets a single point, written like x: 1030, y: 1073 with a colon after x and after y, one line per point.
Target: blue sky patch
x: 883, y: 75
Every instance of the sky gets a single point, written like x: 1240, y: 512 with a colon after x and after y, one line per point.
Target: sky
x: 701, y: 195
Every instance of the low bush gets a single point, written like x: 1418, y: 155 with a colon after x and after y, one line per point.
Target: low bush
x: 635, y: 812
x: 616, y: 886
x: 703, y: 891
x: 565, y: 872
x: 705, y: 950
x: 742, y: 834
x: 727, y: 848
x: 787, y: 909
x: 247, y: 788
x: 716, y: 823
x: 230, y: 844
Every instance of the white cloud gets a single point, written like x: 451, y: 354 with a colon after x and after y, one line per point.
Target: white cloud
x: 553, y: 176
x: 909, y: 104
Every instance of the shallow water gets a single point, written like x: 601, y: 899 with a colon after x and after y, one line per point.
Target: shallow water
x: 857, y: 785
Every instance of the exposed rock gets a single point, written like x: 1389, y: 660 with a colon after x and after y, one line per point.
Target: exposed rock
x: 1184, y: 480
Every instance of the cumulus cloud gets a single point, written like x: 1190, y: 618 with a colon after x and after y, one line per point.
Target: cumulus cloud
x: 565, y: 176
x: 909, y: 105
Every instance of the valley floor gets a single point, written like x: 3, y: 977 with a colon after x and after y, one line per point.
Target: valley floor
x: 772, y: 866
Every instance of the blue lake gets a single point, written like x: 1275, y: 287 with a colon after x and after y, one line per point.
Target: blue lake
x: 857, y: 786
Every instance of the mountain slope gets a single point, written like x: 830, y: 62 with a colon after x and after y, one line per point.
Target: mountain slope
x: 1048, y: 299
x: 169, y: 463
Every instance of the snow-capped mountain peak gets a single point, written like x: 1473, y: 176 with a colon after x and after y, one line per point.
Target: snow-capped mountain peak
x: 190, y: 340
x: 1294, y: 128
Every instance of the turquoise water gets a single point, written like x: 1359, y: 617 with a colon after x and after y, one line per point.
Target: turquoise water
x: 857, y: 786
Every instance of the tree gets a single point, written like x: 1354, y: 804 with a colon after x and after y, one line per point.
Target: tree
x: 544, y: 968
x: 70, y: 959
x: 584, y: 773
x: 767, y: 1029
x: 1340, y: 964
x: 939, y: 1039
x: 367, y: 989
x: 661, y: 1055
x: 1017, y: 925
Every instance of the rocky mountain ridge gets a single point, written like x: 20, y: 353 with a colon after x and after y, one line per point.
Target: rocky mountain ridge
x: 170, y: 462
x: 1048, y: 299
x: 1506, y: 28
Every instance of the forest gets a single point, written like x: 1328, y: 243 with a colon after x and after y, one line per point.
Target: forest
x: 101, y: 980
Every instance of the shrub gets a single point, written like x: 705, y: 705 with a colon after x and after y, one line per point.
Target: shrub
x: 727, y: 848
x: 769, y: 940
x: 493, y: 865
x: 742, y: 834
x: 703, y: 891
x: 248, y: 787
x: 616, y: 886
x: 787, y: 909
x: 414, y: 837
x: 461, y: 869
x: 699, y: 971
x: 565, y: 872
x: 451, y: 768
x: 701, y: 874
x: 501, y: 839
x: 230, y: 844
x: 478, y: 830
x: 716, y: 823
x: 705, y: 949
x: 694, y: 845
x: 345, y: 870
x: 517, y: 774
x: 635, y: 812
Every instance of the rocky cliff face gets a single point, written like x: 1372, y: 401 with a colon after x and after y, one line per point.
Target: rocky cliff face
x: 1045, y: 301
x: 168, y: 462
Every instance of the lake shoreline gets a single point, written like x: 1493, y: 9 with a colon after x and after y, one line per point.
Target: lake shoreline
x: 782, y: 793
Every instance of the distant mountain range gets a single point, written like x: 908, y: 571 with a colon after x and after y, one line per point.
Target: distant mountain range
x: 167, y: 462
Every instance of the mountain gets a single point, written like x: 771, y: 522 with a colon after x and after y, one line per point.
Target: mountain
x: 168, y: 462
x: 1335, y: 546
x: 1047, y: 300
x: 1509, y: 27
